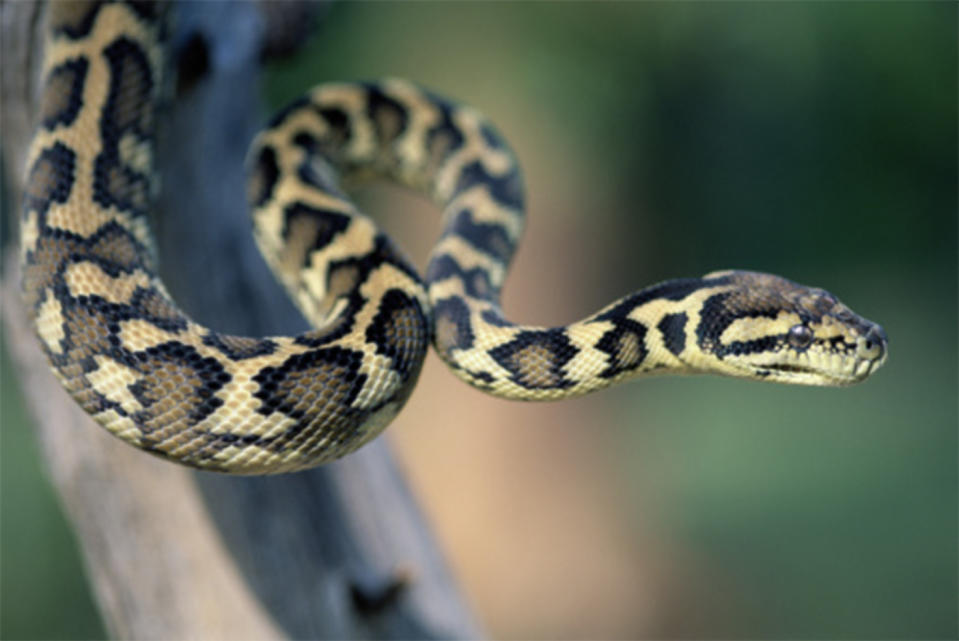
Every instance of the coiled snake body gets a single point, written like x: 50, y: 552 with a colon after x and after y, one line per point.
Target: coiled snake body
x: 160, y: 381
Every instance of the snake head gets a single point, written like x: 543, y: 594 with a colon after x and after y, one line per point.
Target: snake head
x: 764, y: 326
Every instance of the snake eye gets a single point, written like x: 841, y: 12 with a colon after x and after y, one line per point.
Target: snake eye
x: 799, y: 336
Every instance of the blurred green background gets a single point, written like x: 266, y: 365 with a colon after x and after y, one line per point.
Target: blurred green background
x: 814, y: 140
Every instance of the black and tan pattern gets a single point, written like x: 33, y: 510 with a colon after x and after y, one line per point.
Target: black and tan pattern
x: 158, y: 380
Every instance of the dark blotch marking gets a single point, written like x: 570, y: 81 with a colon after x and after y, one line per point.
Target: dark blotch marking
x: 535, y: 359
x: 129, y: 104
x: 476, y: 282
x: 325, y: 225
x: 86, y: 333
x: 262, y: 177
x: 400, y: 331
x: 489, y: 238
x: 389, y: 117
x: 506, y: 189
x: 445, y: 137
x: 44, y: 265
x: 63, y: 95
x: 321, y: 384
x: 340, y: 130
x: 118, y: 185
x: 129, y: 109
x: 115, y: 250
x: 176, y: 376
x: 336, y: 118
x: 625, y: 346
x: 276, y: 397
x: 673, y: 327
x: 451, y: 324
x: 50, y: 179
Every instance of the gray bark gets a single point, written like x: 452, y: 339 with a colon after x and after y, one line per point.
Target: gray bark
x: 341, y: 551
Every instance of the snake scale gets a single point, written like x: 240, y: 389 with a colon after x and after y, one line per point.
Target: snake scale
x: 162, y: 382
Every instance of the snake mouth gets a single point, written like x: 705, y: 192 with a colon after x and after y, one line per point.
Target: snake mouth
x: 810, y: 375
x: 792, y: 369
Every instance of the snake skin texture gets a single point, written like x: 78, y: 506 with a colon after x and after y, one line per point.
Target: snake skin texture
x: 158, y: 380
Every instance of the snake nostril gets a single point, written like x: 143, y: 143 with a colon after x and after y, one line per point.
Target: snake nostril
x: 875, y: 339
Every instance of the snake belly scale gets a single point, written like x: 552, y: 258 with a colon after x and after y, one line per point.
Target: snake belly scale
x: 165, y: 384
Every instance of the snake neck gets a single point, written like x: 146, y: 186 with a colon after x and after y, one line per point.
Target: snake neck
x: 650, y: 332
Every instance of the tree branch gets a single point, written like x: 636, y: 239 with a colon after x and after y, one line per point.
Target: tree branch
x: 339, y: 551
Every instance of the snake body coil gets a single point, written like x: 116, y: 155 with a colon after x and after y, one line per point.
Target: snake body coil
x: 167, y: 385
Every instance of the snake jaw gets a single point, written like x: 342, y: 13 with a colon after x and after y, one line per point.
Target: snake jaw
x: 798, y: 375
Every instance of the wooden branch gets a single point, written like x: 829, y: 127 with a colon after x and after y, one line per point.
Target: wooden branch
x: 341, y: 551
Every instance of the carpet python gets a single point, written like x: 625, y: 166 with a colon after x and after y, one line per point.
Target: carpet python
x: 167, y: 385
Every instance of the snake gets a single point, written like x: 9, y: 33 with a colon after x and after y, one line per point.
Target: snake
x: 166, y: 384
